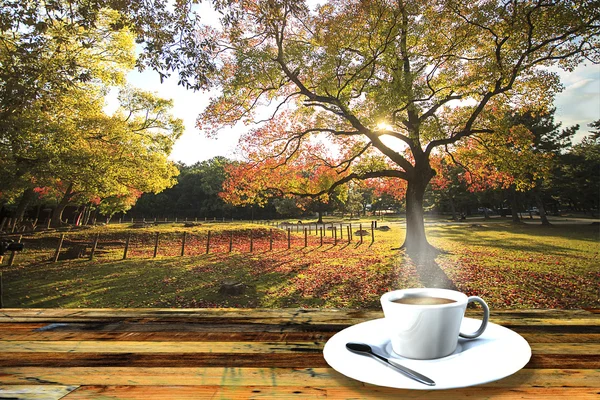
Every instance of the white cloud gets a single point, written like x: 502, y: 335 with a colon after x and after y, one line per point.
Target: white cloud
x: 579, y: 103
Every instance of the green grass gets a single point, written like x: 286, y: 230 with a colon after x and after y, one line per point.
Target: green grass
x: 510, y: 266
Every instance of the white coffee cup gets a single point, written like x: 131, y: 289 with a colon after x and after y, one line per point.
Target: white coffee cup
x: 427, y: 331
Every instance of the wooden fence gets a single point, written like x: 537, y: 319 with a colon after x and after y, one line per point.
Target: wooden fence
x: 276, y: 236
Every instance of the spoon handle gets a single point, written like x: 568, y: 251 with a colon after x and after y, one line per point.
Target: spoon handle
x: 406, y: 371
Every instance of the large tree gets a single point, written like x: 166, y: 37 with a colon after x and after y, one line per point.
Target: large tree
x: 41, y: 69
x: 359, y: 74
x: 58, y: 60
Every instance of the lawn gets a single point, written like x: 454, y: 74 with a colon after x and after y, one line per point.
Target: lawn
x: 511, y: 266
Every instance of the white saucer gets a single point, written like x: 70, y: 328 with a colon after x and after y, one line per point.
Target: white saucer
x: 497, y: 353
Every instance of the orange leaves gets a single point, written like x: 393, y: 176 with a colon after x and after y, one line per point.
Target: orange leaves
x: 396, y: 188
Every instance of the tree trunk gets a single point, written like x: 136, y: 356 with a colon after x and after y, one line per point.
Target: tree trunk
x: 58, y: 211
x: 540, y: 204
x: 26, y: 198
x: 486, y: 213
x: 320, y: 212
x: 416, y: 242
x: 514, y: 205
x: 452, y: 208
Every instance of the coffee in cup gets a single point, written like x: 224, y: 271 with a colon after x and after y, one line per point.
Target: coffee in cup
x: 424, y: 323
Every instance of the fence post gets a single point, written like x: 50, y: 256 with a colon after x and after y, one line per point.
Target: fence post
x: 94, y: 245
x: 350, y: 226
x: 183, y: 244
x: 332, y: 229
x: 305, y: 237
x: 11, y: 259
x: 373, y: 232
x: 251, y: 242
x: 270, y: 239
x: 126, y: 246
x: 348, y: 233
x: 289, y: 238
x: 361, y: 233
x: 334, y: 235
x: 155, y: 245
x: 60, y: 242
x: 230, y: 241
x: 321, y: 230
x: 341, y: 231
x: 208, y: 242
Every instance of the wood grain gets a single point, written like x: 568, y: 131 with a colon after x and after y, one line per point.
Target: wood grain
x: 263, y: 353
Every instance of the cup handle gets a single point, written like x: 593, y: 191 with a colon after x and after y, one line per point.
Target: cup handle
x: 486, y: 317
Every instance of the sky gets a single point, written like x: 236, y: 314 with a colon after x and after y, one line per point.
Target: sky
x: 579, y: 103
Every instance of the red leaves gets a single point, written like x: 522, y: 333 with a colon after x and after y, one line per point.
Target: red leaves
x: 512, y: 282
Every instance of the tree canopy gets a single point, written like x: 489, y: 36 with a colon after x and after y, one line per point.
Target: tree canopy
x: 59, y: 60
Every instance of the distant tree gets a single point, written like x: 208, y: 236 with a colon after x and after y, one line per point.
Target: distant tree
x: 196, y: 193
x: 354, y: 202
x: 576, y: 180
x: 287, y: 207
x: 549, y: 140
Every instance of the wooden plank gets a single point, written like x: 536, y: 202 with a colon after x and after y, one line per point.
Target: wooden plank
x: 295, y: 392
x: 291, y: 360
x: 198, y: 336
x: 291, y: 315
x: 322, y: 377
x: 232, y: 333
x: 71, y: 347
x: 14, y: 326
x: 258, y: 312
x: 564, y: 361
x: 33, y: 392
x: 82, y: 346
x: 176, y: 327
x: 235, y: 360
x: 230, y: 324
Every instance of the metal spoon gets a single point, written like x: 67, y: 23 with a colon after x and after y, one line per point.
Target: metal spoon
x: 365, y: 349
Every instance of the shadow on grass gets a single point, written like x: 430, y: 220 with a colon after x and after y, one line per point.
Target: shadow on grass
x: 541, y: 239
x: 430, y: 273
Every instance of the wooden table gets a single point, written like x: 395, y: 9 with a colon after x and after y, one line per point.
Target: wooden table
x: 258, y: 353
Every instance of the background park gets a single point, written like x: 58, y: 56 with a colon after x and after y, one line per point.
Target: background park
x: 375, y: 152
